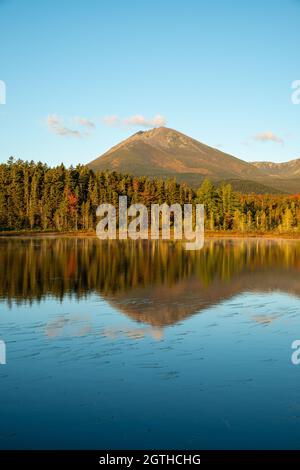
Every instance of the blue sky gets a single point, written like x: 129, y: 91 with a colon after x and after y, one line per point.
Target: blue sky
x: 82, y: 75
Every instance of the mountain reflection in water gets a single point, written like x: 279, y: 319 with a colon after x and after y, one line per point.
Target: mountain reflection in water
x: 157, y: 283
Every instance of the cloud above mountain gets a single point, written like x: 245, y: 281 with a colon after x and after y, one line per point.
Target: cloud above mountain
x: 57, y: 126
x: 81, y: 127
x: 137, y: 120
x: 268, y: 137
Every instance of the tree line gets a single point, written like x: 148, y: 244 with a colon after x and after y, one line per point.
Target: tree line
x: 34, y: 196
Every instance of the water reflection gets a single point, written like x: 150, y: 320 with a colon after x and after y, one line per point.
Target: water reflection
x: 105, y: 349
x: 157, y: 283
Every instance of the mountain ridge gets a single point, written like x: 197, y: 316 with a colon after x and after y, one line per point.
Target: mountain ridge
x: 283, y: 169
x: 164, y: 152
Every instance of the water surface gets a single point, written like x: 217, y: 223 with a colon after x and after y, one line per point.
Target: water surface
x: 145, y: 345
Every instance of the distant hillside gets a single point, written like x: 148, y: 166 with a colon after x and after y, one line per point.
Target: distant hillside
x: 286, y: 176
x: 289, y: 169
x: 247, y: 187
x: 164, y: 153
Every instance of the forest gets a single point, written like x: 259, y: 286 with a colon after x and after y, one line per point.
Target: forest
x: 36, y: 197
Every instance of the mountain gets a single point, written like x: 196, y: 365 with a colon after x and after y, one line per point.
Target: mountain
x: 285, y: 176
x: 289, y: 169
x: 163, y: 152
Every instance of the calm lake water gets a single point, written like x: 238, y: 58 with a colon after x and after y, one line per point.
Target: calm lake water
x: 145, y: 345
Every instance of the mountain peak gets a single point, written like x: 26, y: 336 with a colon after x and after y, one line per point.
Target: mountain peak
x: 156, y: 132
x: 166, y: 138
x: 167, y: 153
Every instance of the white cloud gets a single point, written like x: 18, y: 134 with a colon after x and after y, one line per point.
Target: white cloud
x: 57, y: 126
x: 268, y: 137
x: 136, y: 120
x: 139, y: 120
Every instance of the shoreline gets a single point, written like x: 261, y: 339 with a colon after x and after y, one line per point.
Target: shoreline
x: 208, y: 234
